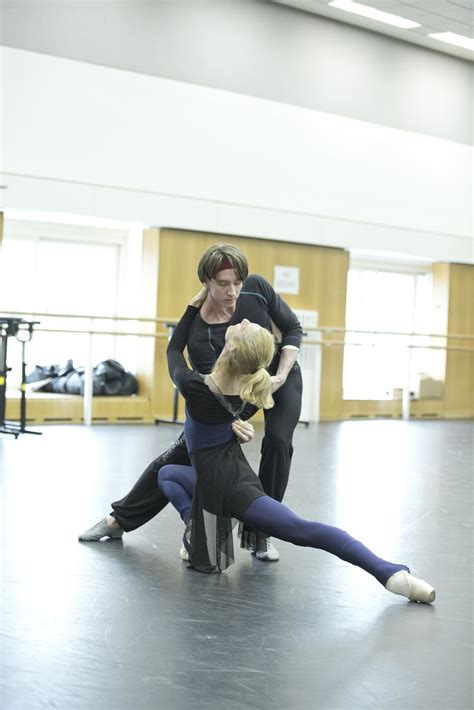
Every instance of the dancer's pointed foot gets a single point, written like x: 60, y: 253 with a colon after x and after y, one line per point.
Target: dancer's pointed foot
x: 414, y: 589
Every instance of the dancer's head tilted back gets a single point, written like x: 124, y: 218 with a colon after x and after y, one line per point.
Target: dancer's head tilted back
x: 250, y: 351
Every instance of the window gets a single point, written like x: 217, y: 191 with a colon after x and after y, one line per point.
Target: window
x: 375, y: 365
x: 51, y: 268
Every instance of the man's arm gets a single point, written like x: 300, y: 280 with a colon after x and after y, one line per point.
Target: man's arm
x: 286, y: 328
x: 288, y: 357
x: 286, y: 322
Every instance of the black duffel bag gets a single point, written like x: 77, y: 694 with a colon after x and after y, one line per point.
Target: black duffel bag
x: 59, y: 384
x: 110, y: 379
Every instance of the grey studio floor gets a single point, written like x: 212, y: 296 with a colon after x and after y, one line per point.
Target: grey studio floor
x: 115, y: 624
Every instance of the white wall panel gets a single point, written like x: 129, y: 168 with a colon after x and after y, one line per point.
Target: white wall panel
x: 258, y: 49
x: 100, y: 141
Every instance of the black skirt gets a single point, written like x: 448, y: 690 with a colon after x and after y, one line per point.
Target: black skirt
x: 226, y: 486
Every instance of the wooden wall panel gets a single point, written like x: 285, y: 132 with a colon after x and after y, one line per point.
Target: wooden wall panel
x: 45, y: 408
x: 323, y: 280
x: 372, y: 409
x: 458, y: 395
x: 439, y: 317
x: 148, y: 309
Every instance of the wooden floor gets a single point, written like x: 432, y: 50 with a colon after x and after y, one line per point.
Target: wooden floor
x: 125, y: 625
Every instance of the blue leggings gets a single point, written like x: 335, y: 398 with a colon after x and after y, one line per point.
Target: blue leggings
x: 275, y: 519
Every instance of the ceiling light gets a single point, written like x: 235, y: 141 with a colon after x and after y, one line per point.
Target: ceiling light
x: 374, y: 14
x: 452, y: 38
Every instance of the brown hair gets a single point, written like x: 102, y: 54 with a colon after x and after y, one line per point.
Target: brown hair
x: 210, y: 262
x: 253, y: 354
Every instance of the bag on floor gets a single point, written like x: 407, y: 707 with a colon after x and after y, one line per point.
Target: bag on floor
x: 111, y: 378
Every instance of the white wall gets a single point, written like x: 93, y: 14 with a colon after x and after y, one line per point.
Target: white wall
x: 256, y: 48
x: 98, y: 141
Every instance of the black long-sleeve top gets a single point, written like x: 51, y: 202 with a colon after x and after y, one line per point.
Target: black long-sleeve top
x: 259, y: 303
x: 201, y: 404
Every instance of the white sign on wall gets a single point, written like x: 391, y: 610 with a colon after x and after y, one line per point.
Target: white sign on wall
x: 286, y: 279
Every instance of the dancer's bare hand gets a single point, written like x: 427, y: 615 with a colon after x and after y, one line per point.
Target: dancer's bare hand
x: 244, y: 431
x: 199, y: 298
x: 277, y: 382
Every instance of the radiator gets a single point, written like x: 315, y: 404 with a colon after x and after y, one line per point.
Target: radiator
x: 310, y: 359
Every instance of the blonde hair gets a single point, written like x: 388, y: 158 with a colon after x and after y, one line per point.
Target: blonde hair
x: 252, y: 355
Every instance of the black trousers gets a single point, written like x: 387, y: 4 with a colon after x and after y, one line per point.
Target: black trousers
x: 145, y: 500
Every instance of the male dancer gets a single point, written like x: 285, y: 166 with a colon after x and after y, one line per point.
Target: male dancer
x: 232, y: 296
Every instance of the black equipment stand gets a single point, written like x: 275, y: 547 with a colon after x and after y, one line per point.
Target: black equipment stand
x: 174, y: 420
x: 22, y: 330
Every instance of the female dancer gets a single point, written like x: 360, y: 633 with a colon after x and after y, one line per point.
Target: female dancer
x: 233, y: 294
x: 221, y: 485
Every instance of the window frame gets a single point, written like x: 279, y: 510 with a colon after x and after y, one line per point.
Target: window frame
x: 377, y: 266
x: 128, y: 274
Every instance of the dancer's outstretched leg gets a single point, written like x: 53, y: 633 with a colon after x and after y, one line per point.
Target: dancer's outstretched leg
x: 142, y: 502
x: 277, y: 520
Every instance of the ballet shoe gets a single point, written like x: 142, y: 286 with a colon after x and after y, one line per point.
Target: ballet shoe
x: 184, y: 554
x: 100, y: 530
x: 270, y: 554
x: 414, y: 589
x: 185, y: 547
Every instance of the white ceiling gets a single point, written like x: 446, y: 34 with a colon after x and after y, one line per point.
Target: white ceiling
x: 433, y: 15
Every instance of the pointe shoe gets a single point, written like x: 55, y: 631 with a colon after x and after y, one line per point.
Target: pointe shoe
x: 414, y: 589
x: 184, y: 554
x: 100, y: 530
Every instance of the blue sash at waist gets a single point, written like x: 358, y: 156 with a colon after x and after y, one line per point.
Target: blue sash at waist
x: 202, y: 436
